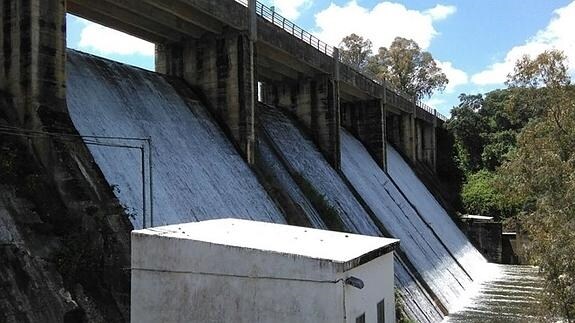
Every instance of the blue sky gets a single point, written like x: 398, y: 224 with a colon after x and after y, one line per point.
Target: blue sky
x: 474, y: 41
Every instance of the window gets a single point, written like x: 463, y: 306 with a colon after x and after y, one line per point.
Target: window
x: 381, y: 311
x: 360, y: 319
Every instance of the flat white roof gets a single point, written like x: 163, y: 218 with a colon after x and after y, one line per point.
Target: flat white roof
x: 279, y: 238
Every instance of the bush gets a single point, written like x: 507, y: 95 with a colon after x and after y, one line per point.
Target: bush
x: 481, y: 196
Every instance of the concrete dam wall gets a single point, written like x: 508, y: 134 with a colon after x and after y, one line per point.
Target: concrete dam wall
x: 199, y: 174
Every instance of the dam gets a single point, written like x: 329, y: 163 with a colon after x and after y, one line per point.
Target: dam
x: 199, y: 175
x: 323, y: 147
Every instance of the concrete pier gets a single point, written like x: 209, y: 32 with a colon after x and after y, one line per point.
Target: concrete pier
x: 222, y: 69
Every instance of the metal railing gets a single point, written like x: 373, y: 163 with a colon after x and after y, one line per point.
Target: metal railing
x: 270, y: 15
x: 278, y: 20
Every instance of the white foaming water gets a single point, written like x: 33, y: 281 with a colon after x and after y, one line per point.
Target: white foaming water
x: 198, y: 174
x: 443, y: 272
x: 301, y: 156
x: 273, y: 166
x: 511, y: 295
x: 436, y: 217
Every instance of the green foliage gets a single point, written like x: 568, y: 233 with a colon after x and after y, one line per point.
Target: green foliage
x: 548, y: 69
x: 540, y: 174
x: 468, y: 125
x: 408, y: 68
x: 485, y: 127
x: 497, y: 148
x: 355, y: 51
x: 481, y: 196
x: 400, y: 314
x: 404, y: 65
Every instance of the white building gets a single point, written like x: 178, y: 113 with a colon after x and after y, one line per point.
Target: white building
x: 242, y: 271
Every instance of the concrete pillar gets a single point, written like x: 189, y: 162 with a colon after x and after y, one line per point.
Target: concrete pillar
x: 222, y: 68
x: 393, y: 128
x: 428, y: 145
x: 32, y: 66
x: 420, y: 144
x: 413, y: 133
x: 407, y: 135
x: 433, y: 143
x: 366, y: 121
x: 385, y: 139
x: 317, y: 106
x: 32, y: 70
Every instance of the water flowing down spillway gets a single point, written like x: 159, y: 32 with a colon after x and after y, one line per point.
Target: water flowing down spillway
x: 274, y: 167
x: 443, y: 273
x: 198, y: 174
x: 512, y: 296
x: 301, y: 156
x: 435, y: 216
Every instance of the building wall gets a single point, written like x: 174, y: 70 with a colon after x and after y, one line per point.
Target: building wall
x: 179, y: 280
x: 201, y: 282
x: 377, y: 276
x: 486, y: 237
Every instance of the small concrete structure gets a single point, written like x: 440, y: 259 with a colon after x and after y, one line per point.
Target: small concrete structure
x: 485, y: 234
x: 243, y: 271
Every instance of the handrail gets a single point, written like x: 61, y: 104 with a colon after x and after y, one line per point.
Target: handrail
x: 279, y: 21
x: 275, y: 18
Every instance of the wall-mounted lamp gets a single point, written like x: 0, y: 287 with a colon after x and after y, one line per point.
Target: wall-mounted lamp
x: 355, y: 282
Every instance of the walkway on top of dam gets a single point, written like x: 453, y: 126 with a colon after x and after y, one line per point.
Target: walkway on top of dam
x: 284, y: 49
x: 512, y: 296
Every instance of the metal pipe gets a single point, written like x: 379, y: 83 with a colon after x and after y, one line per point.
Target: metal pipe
x: 143, y: 185
x: 150, y: 178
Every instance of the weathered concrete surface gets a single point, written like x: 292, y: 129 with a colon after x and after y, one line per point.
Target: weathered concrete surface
x: 366, y: 121
x: 486, y: 236
x: 74, y: 201
x: 58, y: 263
x: 197, y: 172
x: 222, y: 68
x: 315, y: 103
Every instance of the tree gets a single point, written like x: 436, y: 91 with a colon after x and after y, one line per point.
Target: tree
x: 467, y: 126
x: 481, y: 196
x: 540, y: 175
x: 355, y: 51
x: 486, y: 126
x: 408, y: 68
x: 547, y: 69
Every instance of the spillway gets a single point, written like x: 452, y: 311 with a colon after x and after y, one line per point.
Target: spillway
x: 512, y: 296
x: 435, y: 216
x: 441, y: 270
x: 198, y: 174
x: 302, y: 159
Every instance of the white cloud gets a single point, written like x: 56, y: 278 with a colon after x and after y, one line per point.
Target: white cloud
x: 434, y: 102
x: 440, y: 12
x: 106, y: 41
x: 291, y: 9
x: 381, y: 24
x: 558, y: 34
x: 455, y: 76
